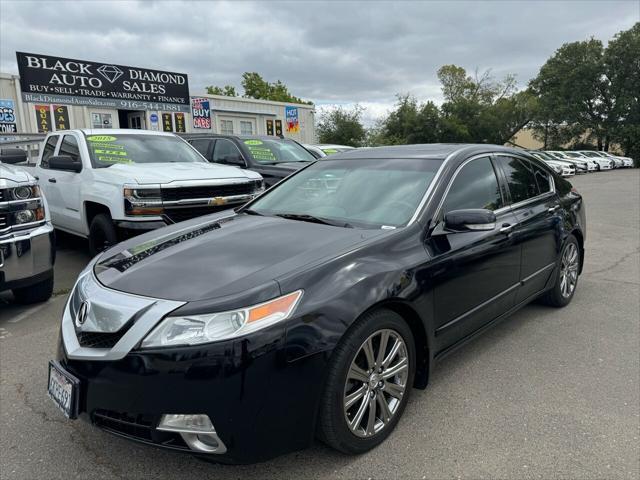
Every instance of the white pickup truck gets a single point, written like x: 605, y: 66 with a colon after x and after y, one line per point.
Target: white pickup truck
x: 107, y: 185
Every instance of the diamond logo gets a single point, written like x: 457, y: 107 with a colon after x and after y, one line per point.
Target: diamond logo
x: 110, y: 72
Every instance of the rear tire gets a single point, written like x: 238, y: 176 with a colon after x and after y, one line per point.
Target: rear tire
x: 561, y: 294
x: 39, y: 292
x: 102, y: 234
x: 353, y: 391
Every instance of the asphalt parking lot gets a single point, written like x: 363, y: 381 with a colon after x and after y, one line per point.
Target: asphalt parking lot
x: 549, y: 393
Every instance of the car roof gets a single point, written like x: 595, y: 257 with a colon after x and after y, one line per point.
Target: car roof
x: 191, y: 136
x: 424, y: 150
x: 122, y: 131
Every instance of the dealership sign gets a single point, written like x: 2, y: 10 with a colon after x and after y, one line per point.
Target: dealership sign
x: 7, y: 117
x: 57, y: 80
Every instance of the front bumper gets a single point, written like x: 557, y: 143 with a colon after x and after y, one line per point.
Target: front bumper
x: 26, y: 257
x: 260, y: 404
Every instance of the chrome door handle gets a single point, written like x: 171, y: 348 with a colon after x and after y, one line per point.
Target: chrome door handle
x: 553, y: 209
x: 506, y: 228
x: 52, y: 180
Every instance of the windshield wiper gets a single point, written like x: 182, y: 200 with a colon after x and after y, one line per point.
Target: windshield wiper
x: 313, y: 219
x: 249, y: 211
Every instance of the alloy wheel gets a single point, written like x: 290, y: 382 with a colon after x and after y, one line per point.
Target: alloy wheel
x: 376, y: 382
x: 569, y: 270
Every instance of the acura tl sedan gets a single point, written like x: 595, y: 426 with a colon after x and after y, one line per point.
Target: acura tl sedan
x: 314, y: 310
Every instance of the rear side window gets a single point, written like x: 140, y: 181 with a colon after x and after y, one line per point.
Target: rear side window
x: 475, y: 186
x: 201, y: 146
x: 542, y: 178
x: 224, y: 150
x: 48, y: 150
x: 520, y: 178
x: 69, y: 147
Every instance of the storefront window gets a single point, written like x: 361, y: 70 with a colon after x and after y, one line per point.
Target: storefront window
x: 226, y: 127
x: 246, y: 128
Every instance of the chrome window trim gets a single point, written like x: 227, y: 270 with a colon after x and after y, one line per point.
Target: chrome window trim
x: 430, y: 188
x: 455, y: 174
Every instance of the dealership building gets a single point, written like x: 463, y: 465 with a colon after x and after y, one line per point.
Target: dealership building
x: 53, y: 93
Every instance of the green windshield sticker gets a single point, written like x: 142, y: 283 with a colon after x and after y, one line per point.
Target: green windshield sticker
x: 262, y: 153
x: 252, y: 142
x: 101, y: 138
x: 330, y: 150
x: 109, y: 152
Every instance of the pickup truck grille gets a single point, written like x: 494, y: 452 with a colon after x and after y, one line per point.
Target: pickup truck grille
x: 4, y: 221
x: 211, y: 191
x: 2, y: 195
x: 181, y: 214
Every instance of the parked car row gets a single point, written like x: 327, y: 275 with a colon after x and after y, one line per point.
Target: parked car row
x: 567, y: 163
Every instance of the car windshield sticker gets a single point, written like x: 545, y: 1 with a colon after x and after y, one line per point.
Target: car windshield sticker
x: 104, y: 150
x: 260, y: 152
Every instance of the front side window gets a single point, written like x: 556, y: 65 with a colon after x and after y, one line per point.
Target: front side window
x: 107, y: 150
x: 520, y: 177
x: 48, y: 150
x: 69, y: 147
x: 226, y: 152
x: 359, y: 193
x: 475, y: 186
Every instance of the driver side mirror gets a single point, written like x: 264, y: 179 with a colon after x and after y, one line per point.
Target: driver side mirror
x: 65, y: 162
x: 234, y: 159
x: 470, y: 220
x: 12, y: 155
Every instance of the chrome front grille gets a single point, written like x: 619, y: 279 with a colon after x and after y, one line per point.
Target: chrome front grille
x: 4, y: 221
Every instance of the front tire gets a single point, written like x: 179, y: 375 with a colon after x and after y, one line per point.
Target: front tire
x: 102, y: 234
x: 39, y: 292
x: 369, y: 380
x: 561, y: 294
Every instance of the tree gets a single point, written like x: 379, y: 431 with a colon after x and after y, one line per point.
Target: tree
x: 227, y: 90
x: 410, y: 122
x: 622, y: 67
x: 342, y: 127
x: 256, y: 87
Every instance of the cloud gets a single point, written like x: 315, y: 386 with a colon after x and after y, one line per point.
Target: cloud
x: 338, y: 53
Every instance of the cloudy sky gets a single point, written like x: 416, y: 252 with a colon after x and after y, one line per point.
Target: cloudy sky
x: 329, y: 52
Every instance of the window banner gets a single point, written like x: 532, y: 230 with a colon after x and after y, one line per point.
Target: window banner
x: 8, y: 117
x: 270, y: 127
x: 180, y: 126
x: 167, y: 122
x: 291, y: 118
x: 43, y: 117
x: 201, y: 113
x: 61, y: 113
x: 279, y: 128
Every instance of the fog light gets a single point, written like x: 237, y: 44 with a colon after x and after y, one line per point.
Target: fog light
x: 196, y: 430
x: 24, y: 216
x: 22, y: 193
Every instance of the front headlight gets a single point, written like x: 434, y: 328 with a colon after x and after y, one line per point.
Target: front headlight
x: 142, y: 201
x: 197, y: 329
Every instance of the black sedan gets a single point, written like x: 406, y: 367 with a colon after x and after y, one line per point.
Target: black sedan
x: 315, y: 309
x: 272, y: 157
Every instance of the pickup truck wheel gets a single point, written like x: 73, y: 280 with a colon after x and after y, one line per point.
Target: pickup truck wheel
x: 39, y: 292
x: 102, y: 234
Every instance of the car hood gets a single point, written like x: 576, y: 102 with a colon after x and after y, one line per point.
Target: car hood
x: 11, y: 173
x: 164, y: 173
x: 220, y: 255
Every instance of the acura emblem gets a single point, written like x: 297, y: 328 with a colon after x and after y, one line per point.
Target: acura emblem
x: 83, y: 311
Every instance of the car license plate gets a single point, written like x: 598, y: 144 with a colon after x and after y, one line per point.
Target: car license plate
x: 63, y: 389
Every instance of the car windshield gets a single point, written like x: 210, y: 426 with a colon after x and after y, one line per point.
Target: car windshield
x: 361, y: 193
x: 107, y: 150
x: 267, y: 151
x: 541, y: 156
x: 573, y: 155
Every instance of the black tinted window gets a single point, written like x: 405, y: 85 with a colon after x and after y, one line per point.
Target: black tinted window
x: 542, y: 178
x: 201, y: 146
x: 223, y: 150
x: 69, y: 147
x: 475, y: 186
x: 520, y: 178
x: 48, y: 150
